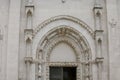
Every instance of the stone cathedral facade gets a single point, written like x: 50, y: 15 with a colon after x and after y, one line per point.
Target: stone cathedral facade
x: 59, y: 39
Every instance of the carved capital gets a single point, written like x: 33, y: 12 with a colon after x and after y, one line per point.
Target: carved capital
x: 28, y: 59
x: 99, y: 59
x: 28, y: 34
x: 29, y: 9
x: 97, y: 10
x: 98, y: 34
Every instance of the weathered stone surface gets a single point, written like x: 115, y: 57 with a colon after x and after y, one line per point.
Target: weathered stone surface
x: 33, y: 34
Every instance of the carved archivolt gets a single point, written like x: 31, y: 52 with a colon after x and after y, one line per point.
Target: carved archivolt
x: 64, y: 17
x: 75, y: 40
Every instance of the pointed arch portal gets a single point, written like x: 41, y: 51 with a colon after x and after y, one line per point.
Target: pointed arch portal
x: 64, y: 47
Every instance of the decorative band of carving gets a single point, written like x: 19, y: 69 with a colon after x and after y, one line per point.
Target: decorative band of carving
x: 65, y: 17
x: 28, y: 59
x: 62, y: 64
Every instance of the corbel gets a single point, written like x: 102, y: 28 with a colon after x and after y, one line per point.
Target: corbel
x: 28, y: 34
x: 28, y: 59
x: 97, y: 9
x: 99, y: 59
x: 99, y: 34
x: 29, y: 9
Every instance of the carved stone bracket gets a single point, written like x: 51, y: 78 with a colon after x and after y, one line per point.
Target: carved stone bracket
x: 29, y: 9
x: 97, y: 9
x: 99, y: 59
x: 28, y: 34
x: 28, y: 59
x: 64, y: 17
x: 98, y: 34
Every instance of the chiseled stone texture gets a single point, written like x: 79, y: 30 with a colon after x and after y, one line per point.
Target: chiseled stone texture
x: 36, y: 34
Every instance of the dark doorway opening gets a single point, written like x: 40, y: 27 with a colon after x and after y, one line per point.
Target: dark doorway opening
x: 62, y: 73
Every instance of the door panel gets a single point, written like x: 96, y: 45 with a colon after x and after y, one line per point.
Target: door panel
x: 62, y: 73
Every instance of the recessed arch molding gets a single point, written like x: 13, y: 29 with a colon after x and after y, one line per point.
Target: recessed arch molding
x: 64, y: 17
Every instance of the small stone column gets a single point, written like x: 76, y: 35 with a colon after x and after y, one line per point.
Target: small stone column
x: 28, y: 58
x: 40, y: 64
x: 87, y: 65
x: 28, y: 37
x: 98, y: 37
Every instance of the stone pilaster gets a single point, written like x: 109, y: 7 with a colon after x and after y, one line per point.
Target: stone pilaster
x: 28, y: 37
x: 13, y: 40
x: 98, y: 37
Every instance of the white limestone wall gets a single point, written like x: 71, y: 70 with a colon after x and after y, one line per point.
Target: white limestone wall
x: 4, y: 8
x: 82, y: 9
x: 13, y: 40
x: 13, y: 49
x: 63, y: 53
x: 45, y: 9
x: 113, y: 9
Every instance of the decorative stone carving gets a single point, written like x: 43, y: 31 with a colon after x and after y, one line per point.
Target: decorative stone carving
x: 29, y: 9
x: 39, y: 70
x: 99, y: 59
x: 74, y: 64
x: 97, y: 10
x: 113, y: 23
x: 28, y: 59
x: 64, y: 17
x: 99, y: 34
x: 75, y: 40
x: 28, y: 34
x: 98, y: 37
